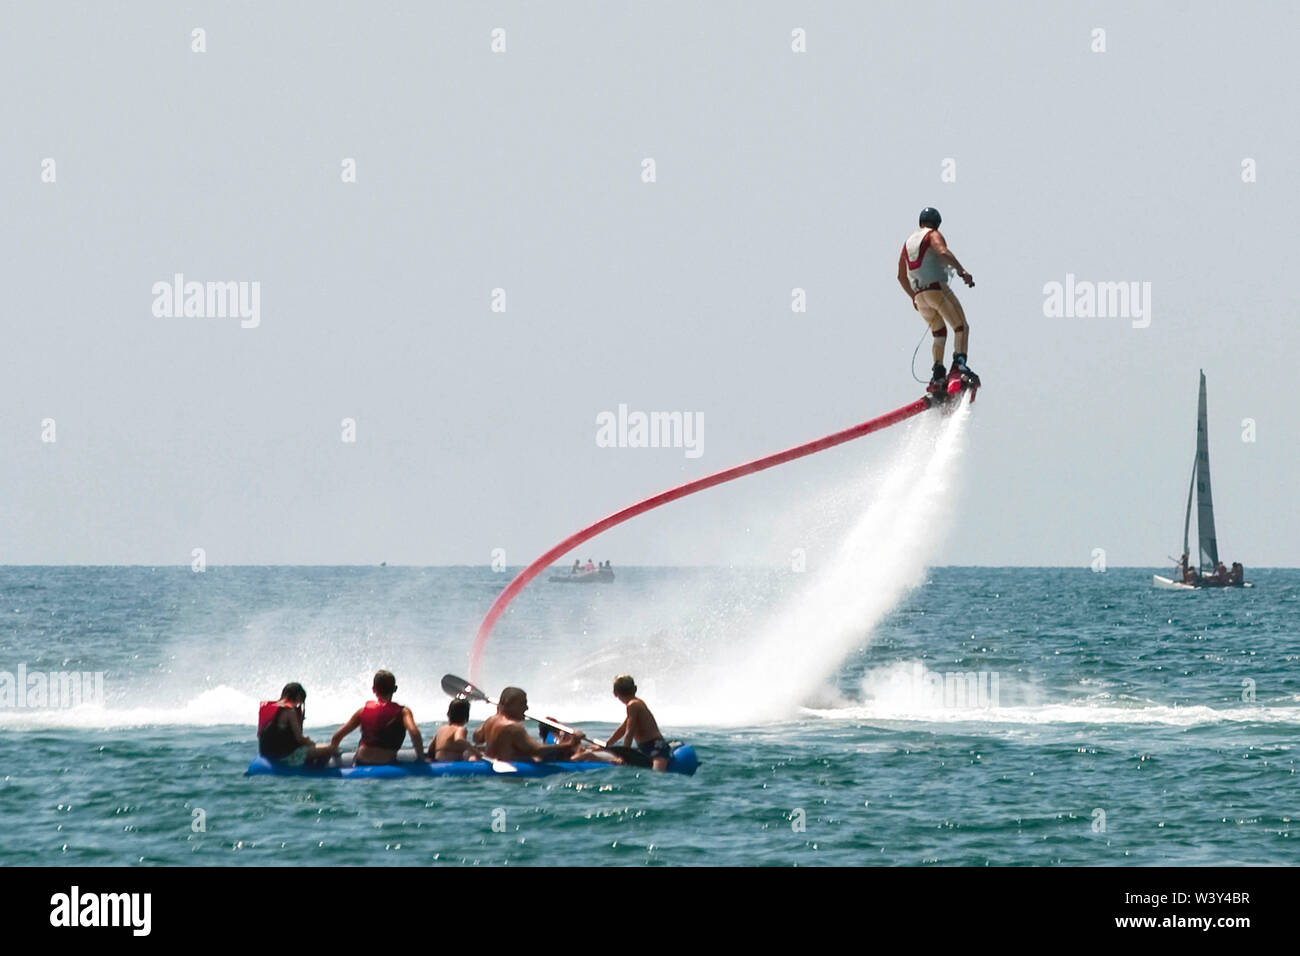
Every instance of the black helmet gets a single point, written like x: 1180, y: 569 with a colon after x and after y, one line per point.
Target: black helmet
x: 930, y: 217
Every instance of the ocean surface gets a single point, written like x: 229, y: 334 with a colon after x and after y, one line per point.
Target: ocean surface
x: 954, y: 716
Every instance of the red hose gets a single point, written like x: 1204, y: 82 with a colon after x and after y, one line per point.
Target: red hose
x: 672, y: 494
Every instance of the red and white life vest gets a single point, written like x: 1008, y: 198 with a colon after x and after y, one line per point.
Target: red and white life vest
x: 924, y: 268
x: 381, y: 724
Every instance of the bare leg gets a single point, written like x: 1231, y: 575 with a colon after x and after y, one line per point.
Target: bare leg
x: 317, y: 753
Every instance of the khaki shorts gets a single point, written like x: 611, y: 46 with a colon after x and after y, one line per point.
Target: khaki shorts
x: 938, y: 306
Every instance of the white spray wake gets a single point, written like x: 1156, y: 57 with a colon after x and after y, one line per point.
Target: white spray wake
x: 765, y: 669
x: 882, y: 557
x: 908, y: 692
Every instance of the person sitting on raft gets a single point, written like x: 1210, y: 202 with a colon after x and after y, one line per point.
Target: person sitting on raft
x: 451, y: 742
x: 505, y: 738
x: 279, y: 730
x: 586, y: 752
x: 384, y: 725
x: 640, y: 726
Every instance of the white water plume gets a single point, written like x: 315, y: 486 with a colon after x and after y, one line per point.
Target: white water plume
x: 882, y: 557
x: 762, y: 667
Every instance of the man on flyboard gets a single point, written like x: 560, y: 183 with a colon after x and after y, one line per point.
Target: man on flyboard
x: 923, y: 273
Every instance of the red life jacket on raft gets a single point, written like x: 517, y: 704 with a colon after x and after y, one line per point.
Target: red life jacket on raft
x: 381, y: 725
x: 274, y: 740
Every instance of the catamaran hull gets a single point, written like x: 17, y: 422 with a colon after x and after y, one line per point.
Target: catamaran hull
x: 1168, y: 584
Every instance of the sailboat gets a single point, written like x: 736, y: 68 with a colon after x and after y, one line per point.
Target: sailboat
x: 1209, y: 573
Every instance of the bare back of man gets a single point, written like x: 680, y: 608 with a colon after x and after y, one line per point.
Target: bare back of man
x: 481, y: 732
x: 505, y: 737
x: 509, y: 740
x: 450, y: 743
x: 642, y: 728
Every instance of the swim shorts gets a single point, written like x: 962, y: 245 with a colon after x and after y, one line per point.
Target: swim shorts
x: 655, y: 749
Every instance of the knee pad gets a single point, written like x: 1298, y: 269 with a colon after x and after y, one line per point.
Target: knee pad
x: 940, y: 333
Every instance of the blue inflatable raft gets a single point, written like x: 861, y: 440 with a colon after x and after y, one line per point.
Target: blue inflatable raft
x: 684, y: 760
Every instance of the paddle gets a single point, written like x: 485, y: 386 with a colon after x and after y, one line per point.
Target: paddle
x: 454, y: 686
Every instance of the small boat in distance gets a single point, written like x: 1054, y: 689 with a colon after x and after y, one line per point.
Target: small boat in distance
x: 584, y: 575
x: 1210, y: 572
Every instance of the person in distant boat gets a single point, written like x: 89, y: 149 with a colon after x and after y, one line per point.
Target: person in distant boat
x: 640, y: 726
x: 1220, y: 573
x: 576, y: 567
x: 504, y: 736
x: 1237, y: 575
x: 923, y: 273
x: 384, y: 725
x: 279, y: 730
x: 589, y: 566
x: 1191, y: 576
x: 451, y: 742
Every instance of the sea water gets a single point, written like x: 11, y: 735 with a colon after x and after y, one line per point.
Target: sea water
x: 991, y: 716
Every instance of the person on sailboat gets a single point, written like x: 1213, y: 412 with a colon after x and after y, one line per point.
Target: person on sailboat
x: 923, y: 273
x: 1237, y: 575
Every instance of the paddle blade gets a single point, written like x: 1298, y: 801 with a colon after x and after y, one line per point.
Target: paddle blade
x: 500, y: 766
x: 454, y: 686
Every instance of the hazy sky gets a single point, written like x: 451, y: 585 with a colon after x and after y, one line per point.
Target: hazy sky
x: 522, y: 170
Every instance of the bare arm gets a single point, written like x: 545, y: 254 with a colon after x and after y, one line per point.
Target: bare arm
x: 460, y: 742
x: 520, y: 740
x: 353, y: 723
x: 408, y: 719
x: 939, y: 246
x: 902, y: 279
x: 295, y: 727
x: 622, y: 728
